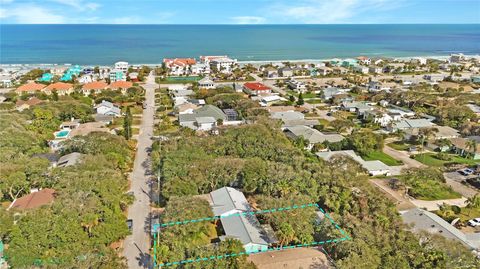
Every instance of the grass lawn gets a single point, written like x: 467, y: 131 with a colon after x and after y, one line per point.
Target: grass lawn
x: 431, y: 159
x: 431, y: 190
x: 314, y: 101
x: 137, y: 121
x: 385, y: 158
x: 399, y: 145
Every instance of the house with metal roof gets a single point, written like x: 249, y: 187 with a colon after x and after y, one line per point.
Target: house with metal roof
x: 108, y: 108
x: 204, y: 118
x: 228, y: 202
x: 374, y: 168
x: 313, y: 136
x: 422, y: 220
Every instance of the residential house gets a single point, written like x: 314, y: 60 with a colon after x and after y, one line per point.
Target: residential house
x: 297, y: 86
x: 179, y: 66
x: 46, y: 77
x: 21, y: 105
x: 231, y: 206
x: 435, y: 77
x: 270, y: 99
x: 285, y: 72
x: 423, y: 221
x: 204, y: 118
x: 358, y: 107
x: 117, y: 75
x: 186, y: 108
x: 402, y: 111
x: 364, y: 60
x: 330, y: 92
x: 270, y: 72
x: 121, y: 66
x: 108, y: 108
x: 323, y: 71
x: 35, y: 199
x: 375, y: 69
x: 95, y: 87
x: 69, y: 159
x: 200, y: 69
x: 349, y: 63
x: 133, y: 76
x: 256, y: 88
x: 378, y: 86
x: 463, y: 148
x: 361, y: 69
x: 374, y: 168
x: 30, y: 88
x: 340, y: 70
x: 382, y: 118
x: 456, y: 58
x: 206, y: 83
x: 412, y: 125
x: 313, y: 136
x: 121, y: 85
x: 221, y: 63
x: 290, y: 117
x: 61, y: 88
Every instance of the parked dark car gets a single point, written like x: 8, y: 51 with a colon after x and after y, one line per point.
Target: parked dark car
x: 130, y: 224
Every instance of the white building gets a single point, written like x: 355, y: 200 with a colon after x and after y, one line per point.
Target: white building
x: 108, y: 108
x: 361, y: 69
x: 200, y: 69
x: 206, y: 83
x: 222, y: 64
x: 297, y: 86
x: 123, y: 66
x: 117, y: 75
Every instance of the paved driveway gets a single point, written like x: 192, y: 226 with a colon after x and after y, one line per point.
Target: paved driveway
x: 454, y: 179
x: 137, y: 245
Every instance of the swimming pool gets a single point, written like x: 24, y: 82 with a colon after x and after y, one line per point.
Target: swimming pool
x: 62, y: 134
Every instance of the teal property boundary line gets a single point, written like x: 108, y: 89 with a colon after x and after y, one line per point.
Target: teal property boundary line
x: 229, y: 255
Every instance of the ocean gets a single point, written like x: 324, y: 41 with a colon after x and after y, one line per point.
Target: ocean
x: 149, y: 44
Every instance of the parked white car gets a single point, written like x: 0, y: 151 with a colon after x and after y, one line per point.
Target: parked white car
x: 474, y: 222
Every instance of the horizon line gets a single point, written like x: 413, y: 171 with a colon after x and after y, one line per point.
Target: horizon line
x: 242, y: 24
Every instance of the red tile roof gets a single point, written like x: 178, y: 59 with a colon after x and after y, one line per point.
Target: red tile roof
x: 59, y: 86
x: 34, y: 199
x: 32, y: 86
x: 256, y: 86
x: 121, y: 85
x: 96, y: 85
x: 179, y: 62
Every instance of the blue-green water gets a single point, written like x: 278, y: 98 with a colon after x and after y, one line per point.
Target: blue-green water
x: 105, y: 44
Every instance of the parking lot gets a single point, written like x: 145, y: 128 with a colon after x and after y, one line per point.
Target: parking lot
x: 458, y: 183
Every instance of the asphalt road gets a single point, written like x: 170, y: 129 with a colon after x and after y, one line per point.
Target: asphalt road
x: 137, y: 245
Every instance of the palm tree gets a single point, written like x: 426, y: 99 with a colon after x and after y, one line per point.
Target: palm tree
x: 426, y: 134
x: 473, y: 202
x: 471, y: 146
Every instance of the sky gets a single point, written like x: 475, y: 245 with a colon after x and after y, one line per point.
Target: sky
x: 238, y: 11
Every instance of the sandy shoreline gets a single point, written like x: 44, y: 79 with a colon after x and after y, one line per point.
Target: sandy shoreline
x: 240, y: 62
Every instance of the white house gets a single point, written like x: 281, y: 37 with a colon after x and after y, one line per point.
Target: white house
x: 206, y: 83
x: 222, y: 64
x: 361, y: 69
x: 232, y: 207
x: 117, y: 75
x: 122, y: 66
x: 297, y: 86
x: 108, y: 108
x: 200, y: 69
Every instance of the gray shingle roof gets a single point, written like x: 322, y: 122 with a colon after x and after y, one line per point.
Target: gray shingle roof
x: 314, y: 136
